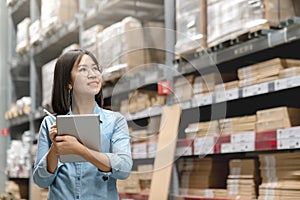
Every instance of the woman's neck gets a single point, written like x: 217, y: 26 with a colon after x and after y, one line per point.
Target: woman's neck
x: 80, y: 106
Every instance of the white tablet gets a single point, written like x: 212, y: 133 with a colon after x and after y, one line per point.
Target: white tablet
x: 86, y: 128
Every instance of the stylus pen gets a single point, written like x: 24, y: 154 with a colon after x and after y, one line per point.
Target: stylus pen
x: 48, y: 113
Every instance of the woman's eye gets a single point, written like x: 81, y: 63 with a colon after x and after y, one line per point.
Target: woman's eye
x: 82, y: 69
x: 95, y: 68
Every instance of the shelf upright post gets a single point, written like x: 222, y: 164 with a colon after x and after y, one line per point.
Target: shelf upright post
x: 4, y: 92
x: 82, y: 11
x: 169, y: 15
x: 34, y: 15
x: 169, y: 12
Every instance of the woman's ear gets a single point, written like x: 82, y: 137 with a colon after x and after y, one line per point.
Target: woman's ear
x: 70, y: 86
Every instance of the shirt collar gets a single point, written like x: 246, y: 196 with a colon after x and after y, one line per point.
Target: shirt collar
x: 97, y: 110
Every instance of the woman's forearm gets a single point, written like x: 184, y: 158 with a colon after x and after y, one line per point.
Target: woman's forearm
x: 52, y: 160
x: 100, y: 160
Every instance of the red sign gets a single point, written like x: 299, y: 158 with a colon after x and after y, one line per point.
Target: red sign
x: 5, y: 131
x: 164, y: 87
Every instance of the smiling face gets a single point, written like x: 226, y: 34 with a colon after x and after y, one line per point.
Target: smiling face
x: 86, y: 77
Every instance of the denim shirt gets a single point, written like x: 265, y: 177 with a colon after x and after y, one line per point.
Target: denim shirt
x: 82, y: 180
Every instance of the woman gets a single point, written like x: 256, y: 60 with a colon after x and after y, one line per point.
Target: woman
x: 77, y: 90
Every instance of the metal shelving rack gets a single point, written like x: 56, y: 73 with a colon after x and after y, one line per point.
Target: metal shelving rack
x: 149, y: 9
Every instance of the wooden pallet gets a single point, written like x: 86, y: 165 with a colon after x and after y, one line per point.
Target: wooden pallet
x: 236, y: 38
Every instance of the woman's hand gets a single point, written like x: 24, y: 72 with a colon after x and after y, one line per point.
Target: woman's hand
x: 66, y: 144
x: 53, y: 132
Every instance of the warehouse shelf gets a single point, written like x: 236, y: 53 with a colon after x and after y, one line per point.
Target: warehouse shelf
x: 179, y: 197
x: 60, y: 38
x: 285, y: 139
x: 114, y: 11
x: 265, y: 40
x: 20, y: 10
x: 219, y: 97
x: 150, y: 112
x: 127, y: 84
x: 19, y: 120
x: 272, y: 140
x: 20, y: 60
x: 23, y: 119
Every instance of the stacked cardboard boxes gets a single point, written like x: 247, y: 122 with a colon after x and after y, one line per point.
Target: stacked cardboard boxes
x: 141, y: 100
x: 191, y: 26
x: 206, y: 83
x: 265, y: 71
x: 238, y: 124
x: 201, y: 129
x: 23, y: 35
x: 89, y: 37
x: 145, y: 175
x: 276, y: 118
x: 196, y: 175
x: 131, y: 185
x: 183, y: 88
x: 47, y: 82
x: 124, y: 39
x: 230, y: 19
x: 243, y: 179
x: 280, y: 176
x: 57, y: 13
x: 35, y: 32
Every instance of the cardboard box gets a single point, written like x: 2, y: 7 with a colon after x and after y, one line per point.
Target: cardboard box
x: 183, y: 88
x: 47, y: 82
x: 23, y: 35
x: 275, y: 118
x: 228, y: 19
x: 56, y: 13
x: 35, y: 32
x: 277, y: 11
x: 191, y: 26
x: 154, y: 42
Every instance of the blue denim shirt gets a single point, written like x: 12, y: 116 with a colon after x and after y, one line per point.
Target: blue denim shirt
x: 82, y: 180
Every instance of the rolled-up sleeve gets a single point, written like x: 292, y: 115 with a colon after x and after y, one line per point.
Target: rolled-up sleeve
x: 120, y: 156
x: 41, y: 176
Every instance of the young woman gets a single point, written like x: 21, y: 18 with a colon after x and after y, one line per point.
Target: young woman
x: 77, y: 90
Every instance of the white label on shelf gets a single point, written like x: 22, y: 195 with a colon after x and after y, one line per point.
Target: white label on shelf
x: 232, y: 94
x: 184, y: 151
x: 220, y: 96
x: 72, y: 26
x: 141, y: 114
x: 290, y: 143
x: 206, y: 100
x: 296, y: 81
x: 226, y: 148
x: 280, y: 84
x: 151, y: 77
x: 91, y: 13
x: 186, y: 105
x: 244, y: 146
x: 256, y: 89
x: 128, y: 116
x: 156, y: 110
x: 285, y: 83
x: 152, y: 148
x: 208, y: 193
x: 204, y: 145
x: 196, y: 100
x: 139, y: 150
x: 293, y: 132
x: 243, y: 137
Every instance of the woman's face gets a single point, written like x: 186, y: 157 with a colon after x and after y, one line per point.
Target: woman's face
x: 86, y: 77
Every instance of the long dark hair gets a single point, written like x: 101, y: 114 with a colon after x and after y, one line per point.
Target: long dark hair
x: 61, y: 94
